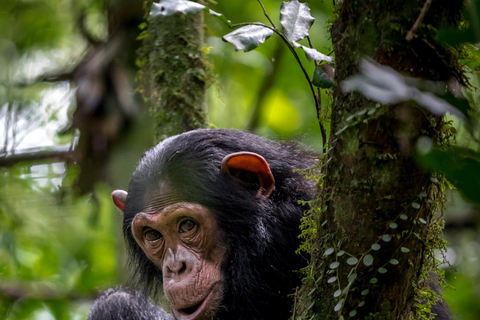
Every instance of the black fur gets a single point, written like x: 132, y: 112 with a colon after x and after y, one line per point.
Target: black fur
x: 261, y: 234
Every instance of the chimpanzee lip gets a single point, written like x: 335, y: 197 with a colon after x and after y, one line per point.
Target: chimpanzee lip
x: 192, y: 312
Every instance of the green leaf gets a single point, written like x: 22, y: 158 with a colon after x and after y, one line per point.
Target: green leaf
x: 352, y: 277
x: 351, y: 261
x: 375, y: 246
x: 339, y: 305
x: 340, y: 253
x: 296, y: 20
x: 332, y: 280
x: 368, y: 260
x: 321, y: 80
x: 313, y: 54
x: 404, y: 250
x: 365, y: 292
x: 352, y: 313
x: 382, y: 270
x: 361, y: 304
x: 416, y: 205
x: 334, y: 265
x: 386, y: 237
x: 249, y: 37
x: 373, y: 280
x: 329, y: 251
x: 394, y: 261
x: 337, y: 293
x: 393, y: 225
x: 403, y: 216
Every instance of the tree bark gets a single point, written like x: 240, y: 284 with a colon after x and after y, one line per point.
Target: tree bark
x: 173, y: 76
x: 373, y: 192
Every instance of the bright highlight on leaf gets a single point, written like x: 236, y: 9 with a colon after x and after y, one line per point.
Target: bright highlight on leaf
x: 249, y: 37
x: 296, y: 20
x: 170, y: 7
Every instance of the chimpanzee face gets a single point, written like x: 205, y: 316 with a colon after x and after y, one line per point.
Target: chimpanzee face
x: 183, y: 239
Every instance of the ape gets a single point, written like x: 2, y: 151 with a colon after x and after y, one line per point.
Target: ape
x: 212, y: 216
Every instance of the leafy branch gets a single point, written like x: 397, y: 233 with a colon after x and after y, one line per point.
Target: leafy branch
x: 296, y: 21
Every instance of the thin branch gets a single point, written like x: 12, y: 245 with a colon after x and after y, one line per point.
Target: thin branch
x: 265, y: 13
x: 419, y: 20
x: 62, y: 153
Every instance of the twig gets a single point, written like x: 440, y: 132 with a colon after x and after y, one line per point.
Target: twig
x: 295, y: 303
x: 265, y: 13
x: 61, y: 153
x: 419, y: 20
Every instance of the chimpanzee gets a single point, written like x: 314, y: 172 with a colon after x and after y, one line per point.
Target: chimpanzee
x: 213, y: 216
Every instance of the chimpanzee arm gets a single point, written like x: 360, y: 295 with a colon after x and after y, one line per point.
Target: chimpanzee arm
x: 122, y: 304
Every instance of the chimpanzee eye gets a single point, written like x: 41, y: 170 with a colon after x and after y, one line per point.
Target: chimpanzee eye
x: 152, y: 235
x: 186, y: 226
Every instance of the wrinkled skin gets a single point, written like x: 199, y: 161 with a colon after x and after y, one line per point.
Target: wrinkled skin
x: 184, y: 241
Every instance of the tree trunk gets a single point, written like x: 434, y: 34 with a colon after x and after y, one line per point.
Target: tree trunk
x: 173, y: 73
x: 373, y: 192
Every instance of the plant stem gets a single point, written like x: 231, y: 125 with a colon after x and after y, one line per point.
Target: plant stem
x: 265, y: 13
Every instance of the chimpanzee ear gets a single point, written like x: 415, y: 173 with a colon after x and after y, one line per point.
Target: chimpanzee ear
x: 119, y: 197
x: 249, y: 168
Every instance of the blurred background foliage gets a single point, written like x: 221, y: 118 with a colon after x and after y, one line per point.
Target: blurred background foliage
x: 59, y: 248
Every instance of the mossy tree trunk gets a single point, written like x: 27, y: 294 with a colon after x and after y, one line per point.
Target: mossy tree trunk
x: 373, y: 192
x: 173, y: 73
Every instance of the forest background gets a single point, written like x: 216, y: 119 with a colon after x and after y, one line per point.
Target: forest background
x: 60, y: 236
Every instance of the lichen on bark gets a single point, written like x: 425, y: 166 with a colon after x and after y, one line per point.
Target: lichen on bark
x: 173, y: 73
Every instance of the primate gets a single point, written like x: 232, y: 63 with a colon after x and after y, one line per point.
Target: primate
x: 212, y: 217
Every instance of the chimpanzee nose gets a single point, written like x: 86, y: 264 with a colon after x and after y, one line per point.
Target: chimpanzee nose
x: 178, y: 265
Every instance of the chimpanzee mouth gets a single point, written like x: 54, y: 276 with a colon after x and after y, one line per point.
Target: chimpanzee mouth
x: 192, y: 312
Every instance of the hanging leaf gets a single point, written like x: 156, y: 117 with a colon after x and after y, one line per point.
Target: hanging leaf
x: 375, y: 246
x: 337, y: 293
x: 329, y: 251
x: 393, y: 225
x: 340, y: 253
x: 383, y: 84
x: 352, y: 277
x: 403, y: 216
x: 321, y: 80
x: 334, y: 265
x: 248, y: 38
x: 332, y: 280
x: 351, y: 261
x: 404, y: 250
x: 313, y: 54
x: 296, y: 20
x: 373, y: 280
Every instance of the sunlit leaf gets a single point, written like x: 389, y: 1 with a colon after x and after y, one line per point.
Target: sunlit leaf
x: 169, y: 7
x: 248, y: 38
x: 296, y: 20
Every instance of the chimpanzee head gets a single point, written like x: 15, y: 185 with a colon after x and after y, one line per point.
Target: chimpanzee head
x: 213, y: 216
